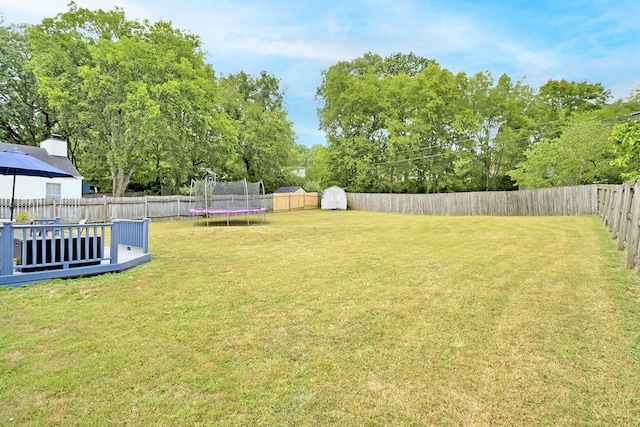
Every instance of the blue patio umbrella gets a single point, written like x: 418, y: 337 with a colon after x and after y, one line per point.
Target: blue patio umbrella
x: 17, y: 162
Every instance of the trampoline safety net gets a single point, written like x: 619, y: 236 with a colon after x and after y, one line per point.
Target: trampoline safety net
x: 210, y: 197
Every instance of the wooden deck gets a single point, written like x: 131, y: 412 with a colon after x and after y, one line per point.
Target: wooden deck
x: 126, y: 259
x: 55, y: 251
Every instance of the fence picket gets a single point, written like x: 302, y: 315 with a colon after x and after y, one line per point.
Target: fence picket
x: 625, y: 215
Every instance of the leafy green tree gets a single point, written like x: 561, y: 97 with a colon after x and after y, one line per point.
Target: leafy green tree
x: 558, y: 100
x: 348, y: 116
x: 318, y: 169
x: 500, y: 130
x: 624, y: 115
x: 433, y: 131
x: 25, y: 117
x: 566, y: 98
x: 390, y: 123
x: 138, y: 95
x: 265, y: 139
x: 626, y: 138
x: 190, y: 131
x: 580, y: 155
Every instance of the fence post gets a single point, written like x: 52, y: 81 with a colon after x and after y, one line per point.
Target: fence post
x: 618, y: 211
x: 601, y: 194
x: 105, y: 210
x: 610, y: 202
x: 634, y: 231
x: 6, y: 245
x: 625, y: 215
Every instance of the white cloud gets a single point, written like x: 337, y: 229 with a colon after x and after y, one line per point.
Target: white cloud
x: 281, y: 47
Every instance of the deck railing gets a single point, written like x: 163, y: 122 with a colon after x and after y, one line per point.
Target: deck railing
x: 48, y: 244
x: 130, y: 233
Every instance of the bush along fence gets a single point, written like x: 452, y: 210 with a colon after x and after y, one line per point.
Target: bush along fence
x: 619, y: 208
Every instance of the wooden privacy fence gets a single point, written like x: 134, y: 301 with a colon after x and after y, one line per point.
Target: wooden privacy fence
x: 579, y: 200
x: 283, y: 202
x: 619, y: 208
x: 103, y: 208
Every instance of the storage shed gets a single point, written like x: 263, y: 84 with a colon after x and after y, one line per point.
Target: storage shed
x: 334, y: 197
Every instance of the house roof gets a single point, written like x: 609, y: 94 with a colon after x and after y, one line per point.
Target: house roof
x: 291, y: 189
x: 61, y: 162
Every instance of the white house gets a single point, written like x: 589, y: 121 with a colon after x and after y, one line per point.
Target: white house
x: 334, y: 197
x: 54, y: 152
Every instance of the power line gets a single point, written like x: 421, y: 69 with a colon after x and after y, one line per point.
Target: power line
x: 408, y: 160
x: 460, y: 142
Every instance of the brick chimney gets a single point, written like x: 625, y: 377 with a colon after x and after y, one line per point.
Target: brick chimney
x: 55, y: 146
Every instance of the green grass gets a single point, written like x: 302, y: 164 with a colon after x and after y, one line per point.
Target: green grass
x: 336, y: 318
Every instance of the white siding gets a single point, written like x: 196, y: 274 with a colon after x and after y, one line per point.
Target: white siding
x: 30, y: 187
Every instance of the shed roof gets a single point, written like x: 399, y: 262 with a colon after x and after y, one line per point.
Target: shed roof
x: 291, y: 189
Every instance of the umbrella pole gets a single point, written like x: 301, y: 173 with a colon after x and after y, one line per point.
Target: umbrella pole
x: 13, y: 194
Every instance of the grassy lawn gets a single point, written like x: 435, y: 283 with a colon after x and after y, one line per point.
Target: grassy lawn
x: 336, y: 318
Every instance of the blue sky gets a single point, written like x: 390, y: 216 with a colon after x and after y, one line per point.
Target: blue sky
x: 294, y: 40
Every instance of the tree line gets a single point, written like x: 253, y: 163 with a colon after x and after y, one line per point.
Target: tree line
x: 138, y: 104
x: 143, y: 110
x: 405, y: 124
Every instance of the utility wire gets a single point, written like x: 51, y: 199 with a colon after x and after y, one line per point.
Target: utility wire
x: 460, y: 142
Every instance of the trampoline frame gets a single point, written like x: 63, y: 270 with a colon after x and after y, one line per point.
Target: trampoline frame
x: 229, y: 212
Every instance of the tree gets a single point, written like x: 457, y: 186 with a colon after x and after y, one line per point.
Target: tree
x: 567, y: 98
x: 500, y: 130
x: 318, y: 169
x: 351, y: 121
x: 25, y: 117
x: 623, y: 115
x: 137, y: 95
x: 559, y: 99
x: 580, y: 155
x: 265, y: 139
x: 626, y: 140
x: 391, y: 123
x: 433, y: 131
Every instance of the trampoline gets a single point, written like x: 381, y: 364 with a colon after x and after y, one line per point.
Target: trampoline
x: 214, y: 199
x: 229, y: 212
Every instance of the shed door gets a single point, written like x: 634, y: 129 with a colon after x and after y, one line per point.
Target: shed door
x: 332, y: 200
